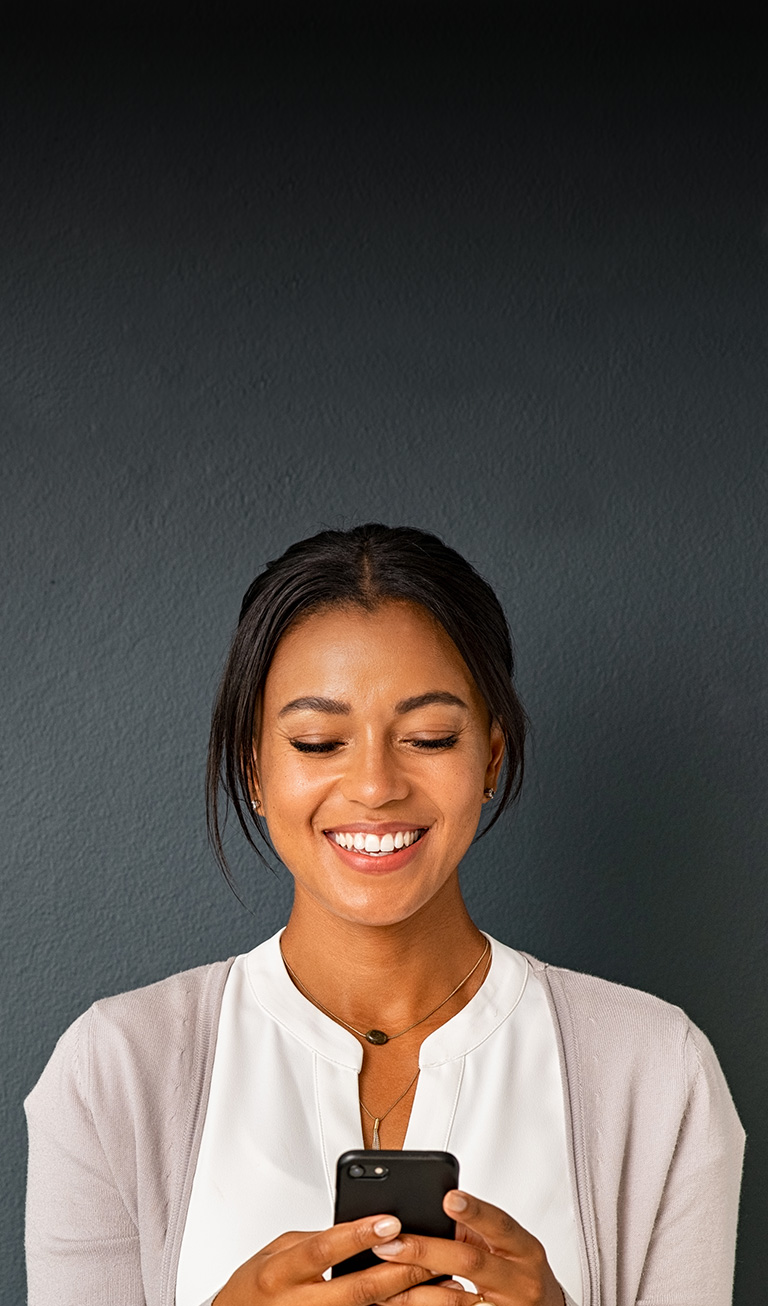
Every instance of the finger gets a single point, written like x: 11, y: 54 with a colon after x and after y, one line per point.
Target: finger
x: 286, y: 1240
x: 306, y: 1259
x: 449, y: 1293
x: 377, y: 1284
x: 500, y: 1230
x: 444, y: 1256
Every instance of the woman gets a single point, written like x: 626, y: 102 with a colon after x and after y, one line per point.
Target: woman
x: 183, y: 1138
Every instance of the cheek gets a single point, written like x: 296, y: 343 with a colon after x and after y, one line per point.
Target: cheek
x: 292, y: 785
x: 457, y: 794
x: 472, y: 784
x: 466, y: 774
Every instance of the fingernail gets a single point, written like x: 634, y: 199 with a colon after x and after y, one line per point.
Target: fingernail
x: 389, y: 1249
x: 387, y: 1225
x: 451, y: 1283
x: 457, y: 1201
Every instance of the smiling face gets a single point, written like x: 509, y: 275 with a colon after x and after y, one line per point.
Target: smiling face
x: 373, y: 733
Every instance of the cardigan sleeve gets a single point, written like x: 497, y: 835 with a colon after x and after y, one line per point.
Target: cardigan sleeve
x: 690, y: 1258
x: 82, y: 1244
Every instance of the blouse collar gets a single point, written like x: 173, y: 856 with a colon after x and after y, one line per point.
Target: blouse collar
x: 495, y: 1000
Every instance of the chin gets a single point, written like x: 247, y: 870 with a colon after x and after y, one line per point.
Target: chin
x: 378, y: 914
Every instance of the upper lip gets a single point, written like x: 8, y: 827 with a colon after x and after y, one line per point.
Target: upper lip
x: 373, y: 827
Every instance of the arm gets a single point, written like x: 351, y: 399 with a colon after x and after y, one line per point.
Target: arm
x: 690, y: 1257
x: 687, y: 1255
x: 82, y: 1244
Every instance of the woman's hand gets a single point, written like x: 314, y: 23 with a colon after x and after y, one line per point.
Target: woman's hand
x: 507, y: 1264
x: 289, y: 1271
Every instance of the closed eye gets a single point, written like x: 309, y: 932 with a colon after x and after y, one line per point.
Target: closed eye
x: 326, y: 747
x: 447, y: 742
x: 329, y: 745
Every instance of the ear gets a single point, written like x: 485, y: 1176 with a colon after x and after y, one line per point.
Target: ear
x: 496, y: 758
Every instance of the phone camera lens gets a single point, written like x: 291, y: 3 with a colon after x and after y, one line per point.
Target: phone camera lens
x: 356, y: 1172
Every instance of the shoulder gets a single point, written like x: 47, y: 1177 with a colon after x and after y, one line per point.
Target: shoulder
x: 615, y: 1004
x: 142, y: 1035
x: 631, y: 1056
x: 117, y: 1113
x: 180, y: 998
x: 640, y: 1036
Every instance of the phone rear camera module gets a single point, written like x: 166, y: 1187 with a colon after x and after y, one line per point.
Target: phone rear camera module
x: 380, y: 1171
x: 356, y: 1172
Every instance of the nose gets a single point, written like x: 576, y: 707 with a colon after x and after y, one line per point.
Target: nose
x: 373, y: 775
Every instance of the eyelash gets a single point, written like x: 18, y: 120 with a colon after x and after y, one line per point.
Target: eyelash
x: 424, y: 745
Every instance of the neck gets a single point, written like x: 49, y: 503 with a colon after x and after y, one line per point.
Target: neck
x: 383, y: 976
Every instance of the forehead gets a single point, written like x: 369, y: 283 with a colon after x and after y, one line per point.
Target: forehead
x: 396, y: 648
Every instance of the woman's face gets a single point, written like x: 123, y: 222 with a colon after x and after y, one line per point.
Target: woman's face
x: 373, y: 734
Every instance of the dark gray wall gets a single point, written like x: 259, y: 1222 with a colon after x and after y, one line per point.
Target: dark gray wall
x: 507, y: 285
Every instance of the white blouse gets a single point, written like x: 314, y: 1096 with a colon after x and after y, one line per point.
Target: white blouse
x: 283, y: 1106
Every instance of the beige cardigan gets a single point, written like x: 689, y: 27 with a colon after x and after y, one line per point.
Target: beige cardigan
x: 116, y: 1118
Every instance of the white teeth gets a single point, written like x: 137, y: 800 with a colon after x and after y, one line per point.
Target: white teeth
x: 375, y: 846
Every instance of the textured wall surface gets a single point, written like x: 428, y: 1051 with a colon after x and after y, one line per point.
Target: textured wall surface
x: 509, y: 286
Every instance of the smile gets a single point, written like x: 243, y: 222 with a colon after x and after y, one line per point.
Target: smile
x: 372, y: 845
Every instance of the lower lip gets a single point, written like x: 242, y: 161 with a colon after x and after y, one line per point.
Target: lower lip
x: 376, y: 865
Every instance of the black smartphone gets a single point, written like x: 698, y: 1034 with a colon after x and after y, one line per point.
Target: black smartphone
x: 410, y: 1185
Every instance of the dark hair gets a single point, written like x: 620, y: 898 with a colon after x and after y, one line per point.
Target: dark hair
x: 364, y: 566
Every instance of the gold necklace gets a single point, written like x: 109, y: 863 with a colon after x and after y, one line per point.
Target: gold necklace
x: 377, y: 1036
x: 378, y: 1119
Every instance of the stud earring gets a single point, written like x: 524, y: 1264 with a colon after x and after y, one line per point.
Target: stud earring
x: 255, y: 804
x: 489, y: 793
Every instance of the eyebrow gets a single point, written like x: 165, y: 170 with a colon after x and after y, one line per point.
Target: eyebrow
x: 311, y: 703
x: 335, y: 707
x: 426, y: 700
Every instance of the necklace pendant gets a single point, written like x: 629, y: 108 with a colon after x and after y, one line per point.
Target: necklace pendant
x: 376, y: 1036
x: 376, y: 1145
